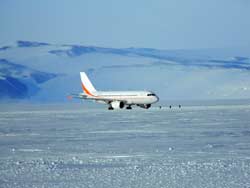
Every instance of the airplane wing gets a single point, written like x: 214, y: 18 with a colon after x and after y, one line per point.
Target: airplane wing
x: 77, y: 96
x: 108, y: 101
x: 97, y: 99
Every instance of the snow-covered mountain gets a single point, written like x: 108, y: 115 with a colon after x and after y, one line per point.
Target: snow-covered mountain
x: 18, y: 81
x: 44, y: 72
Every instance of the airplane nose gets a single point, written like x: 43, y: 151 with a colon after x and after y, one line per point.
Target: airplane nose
x: 156, y: 98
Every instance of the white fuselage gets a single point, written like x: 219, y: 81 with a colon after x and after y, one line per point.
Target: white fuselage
x: 131, y: 97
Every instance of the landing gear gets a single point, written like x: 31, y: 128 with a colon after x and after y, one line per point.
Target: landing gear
x: 145, y: 106
x: 129, y: 107
x: 110, y: 108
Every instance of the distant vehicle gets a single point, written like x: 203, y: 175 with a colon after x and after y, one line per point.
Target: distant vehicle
x: 116, y: 99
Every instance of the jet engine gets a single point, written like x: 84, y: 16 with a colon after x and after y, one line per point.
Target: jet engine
x: 117, y: 104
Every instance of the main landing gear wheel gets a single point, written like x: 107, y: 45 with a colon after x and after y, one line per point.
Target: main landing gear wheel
x: 111, y: 108
x: 128, y: 107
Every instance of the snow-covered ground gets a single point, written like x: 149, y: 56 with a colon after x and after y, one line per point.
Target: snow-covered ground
x: 78, y: 146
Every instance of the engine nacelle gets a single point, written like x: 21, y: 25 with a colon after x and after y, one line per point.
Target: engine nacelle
x: 117, y: 104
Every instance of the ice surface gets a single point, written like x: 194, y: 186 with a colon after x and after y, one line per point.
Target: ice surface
x: 76, y: 146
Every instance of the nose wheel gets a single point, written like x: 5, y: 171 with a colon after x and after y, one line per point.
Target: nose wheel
x: 129, y: 107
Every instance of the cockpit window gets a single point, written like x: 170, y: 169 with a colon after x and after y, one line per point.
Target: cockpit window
x: 151, y: 94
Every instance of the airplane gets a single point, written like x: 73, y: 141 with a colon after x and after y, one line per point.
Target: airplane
x: 115, y: 99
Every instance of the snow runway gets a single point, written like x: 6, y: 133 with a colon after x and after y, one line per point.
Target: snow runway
x: 77, y: 147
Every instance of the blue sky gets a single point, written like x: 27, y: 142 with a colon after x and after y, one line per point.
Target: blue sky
x: 164, y: 24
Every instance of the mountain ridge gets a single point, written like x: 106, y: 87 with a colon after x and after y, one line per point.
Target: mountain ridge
x: 207, y: 71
